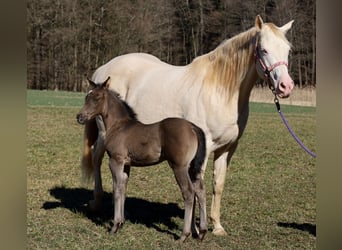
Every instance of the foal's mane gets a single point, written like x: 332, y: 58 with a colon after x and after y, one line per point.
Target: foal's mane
x: 129, y: 109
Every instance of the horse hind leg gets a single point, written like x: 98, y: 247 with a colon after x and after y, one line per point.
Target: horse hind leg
x: 201, y: 197
x: 188, y: 194
x: 198, y: 181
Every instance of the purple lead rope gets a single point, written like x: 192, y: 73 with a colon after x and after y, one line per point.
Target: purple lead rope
x: 276, y: 101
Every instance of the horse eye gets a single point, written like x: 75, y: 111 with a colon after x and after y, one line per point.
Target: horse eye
x: 87, y: 96
x: 264, y: 51
x: 90, y: 93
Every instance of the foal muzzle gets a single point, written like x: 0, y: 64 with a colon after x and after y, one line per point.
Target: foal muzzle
x: 80, y: 119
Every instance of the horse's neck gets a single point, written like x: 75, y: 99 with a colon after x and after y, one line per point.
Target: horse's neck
x: 242, y: 62
x: 246, y: 87
x: 114, y: 114
x: 230, y: 69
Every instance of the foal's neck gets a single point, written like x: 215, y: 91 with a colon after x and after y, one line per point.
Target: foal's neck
x: 114, y: 113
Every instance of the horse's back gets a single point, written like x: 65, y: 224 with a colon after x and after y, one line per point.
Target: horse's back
x: 125, y: 65
x: 128, y: 70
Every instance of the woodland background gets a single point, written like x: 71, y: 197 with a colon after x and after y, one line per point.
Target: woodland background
x: 67, y: 40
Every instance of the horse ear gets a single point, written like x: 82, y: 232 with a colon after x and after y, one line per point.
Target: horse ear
x: 286, y: 27
x: 258, y: 22
x: 106, y: 83
x: 91, y: 83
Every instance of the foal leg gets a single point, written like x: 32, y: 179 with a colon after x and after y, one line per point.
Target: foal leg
x: 120, y: 179
x: 194, y: 228
x: 184, y: 182
x: 98, y: 153
x: 220, y: 162
x: 201, y: 197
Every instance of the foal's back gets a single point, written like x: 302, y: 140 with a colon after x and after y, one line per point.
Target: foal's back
x: 139, y: 144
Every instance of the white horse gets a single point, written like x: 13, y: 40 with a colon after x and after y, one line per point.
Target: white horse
x: 212, y: 92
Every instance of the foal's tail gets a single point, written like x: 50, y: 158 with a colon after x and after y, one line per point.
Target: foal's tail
x: 198, y: 160
x: 90, y: 136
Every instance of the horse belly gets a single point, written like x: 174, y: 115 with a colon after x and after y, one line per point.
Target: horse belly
x: 225, y: 137
x: 145, y: 151
x: 146, y: 158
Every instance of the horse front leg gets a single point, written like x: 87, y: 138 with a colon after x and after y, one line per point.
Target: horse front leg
x: 120, y: 178
x: 221, y: 161
x: 98, y: 154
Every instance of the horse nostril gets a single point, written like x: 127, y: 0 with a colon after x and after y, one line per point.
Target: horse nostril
x: 282, y: 86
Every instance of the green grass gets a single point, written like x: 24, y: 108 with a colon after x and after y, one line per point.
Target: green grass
x: 54, y: 98
x: 269, y: 200
x: 271, y: 108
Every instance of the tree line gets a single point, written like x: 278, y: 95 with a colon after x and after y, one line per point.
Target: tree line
x: 68, y: 40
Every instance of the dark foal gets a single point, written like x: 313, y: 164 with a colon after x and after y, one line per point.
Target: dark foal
x: 132, y: 143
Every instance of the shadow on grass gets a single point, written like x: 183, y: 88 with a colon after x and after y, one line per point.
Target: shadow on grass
x: 150, y: 214
x: 306, y: 227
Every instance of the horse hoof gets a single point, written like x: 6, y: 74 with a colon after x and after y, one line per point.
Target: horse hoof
x: 219, y: 231
x: 183, y: 237
x: 201, y: 234
x: 194, y: 231
x: 116, y: 227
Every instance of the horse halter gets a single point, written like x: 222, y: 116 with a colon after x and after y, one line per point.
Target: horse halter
x: 266, y: 70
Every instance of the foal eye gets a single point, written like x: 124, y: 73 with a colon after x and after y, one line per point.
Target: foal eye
x: 88, y: 94
x: 87, y: 97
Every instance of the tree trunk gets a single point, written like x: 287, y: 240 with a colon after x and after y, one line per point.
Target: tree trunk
x: 299, y: 72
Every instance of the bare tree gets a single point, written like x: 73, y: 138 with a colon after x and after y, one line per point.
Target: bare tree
x: 67, y: 40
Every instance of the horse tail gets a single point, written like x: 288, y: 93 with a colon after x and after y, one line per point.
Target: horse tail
x: 198, y: 160
x: 89, y: 138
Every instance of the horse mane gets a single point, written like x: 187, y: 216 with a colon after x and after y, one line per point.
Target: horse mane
x: 129, y: 109
x: 226, y: 66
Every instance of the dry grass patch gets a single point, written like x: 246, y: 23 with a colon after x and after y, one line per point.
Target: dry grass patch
x: 299, y: 96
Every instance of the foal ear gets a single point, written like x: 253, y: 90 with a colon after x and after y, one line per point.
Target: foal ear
x: 286, y: 27
x: 106, y: 83
x: 258, y: 22
x: 92, y: 85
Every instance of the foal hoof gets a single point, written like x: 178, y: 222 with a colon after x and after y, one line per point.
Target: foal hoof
x: 202, y: 233
x: 183, y: 237
x: 115, y: 228
x: 219, y: 231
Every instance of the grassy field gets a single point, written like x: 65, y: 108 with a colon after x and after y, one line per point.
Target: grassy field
x: 269, y: 200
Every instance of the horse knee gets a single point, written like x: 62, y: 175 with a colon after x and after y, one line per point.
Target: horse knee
x: 219, y: 179
x: 188, y: 197
x: 218, y: 188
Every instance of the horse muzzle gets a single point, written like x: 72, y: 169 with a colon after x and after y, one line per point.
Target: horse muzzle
x: 285, y: 86
x: 81, y: 119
